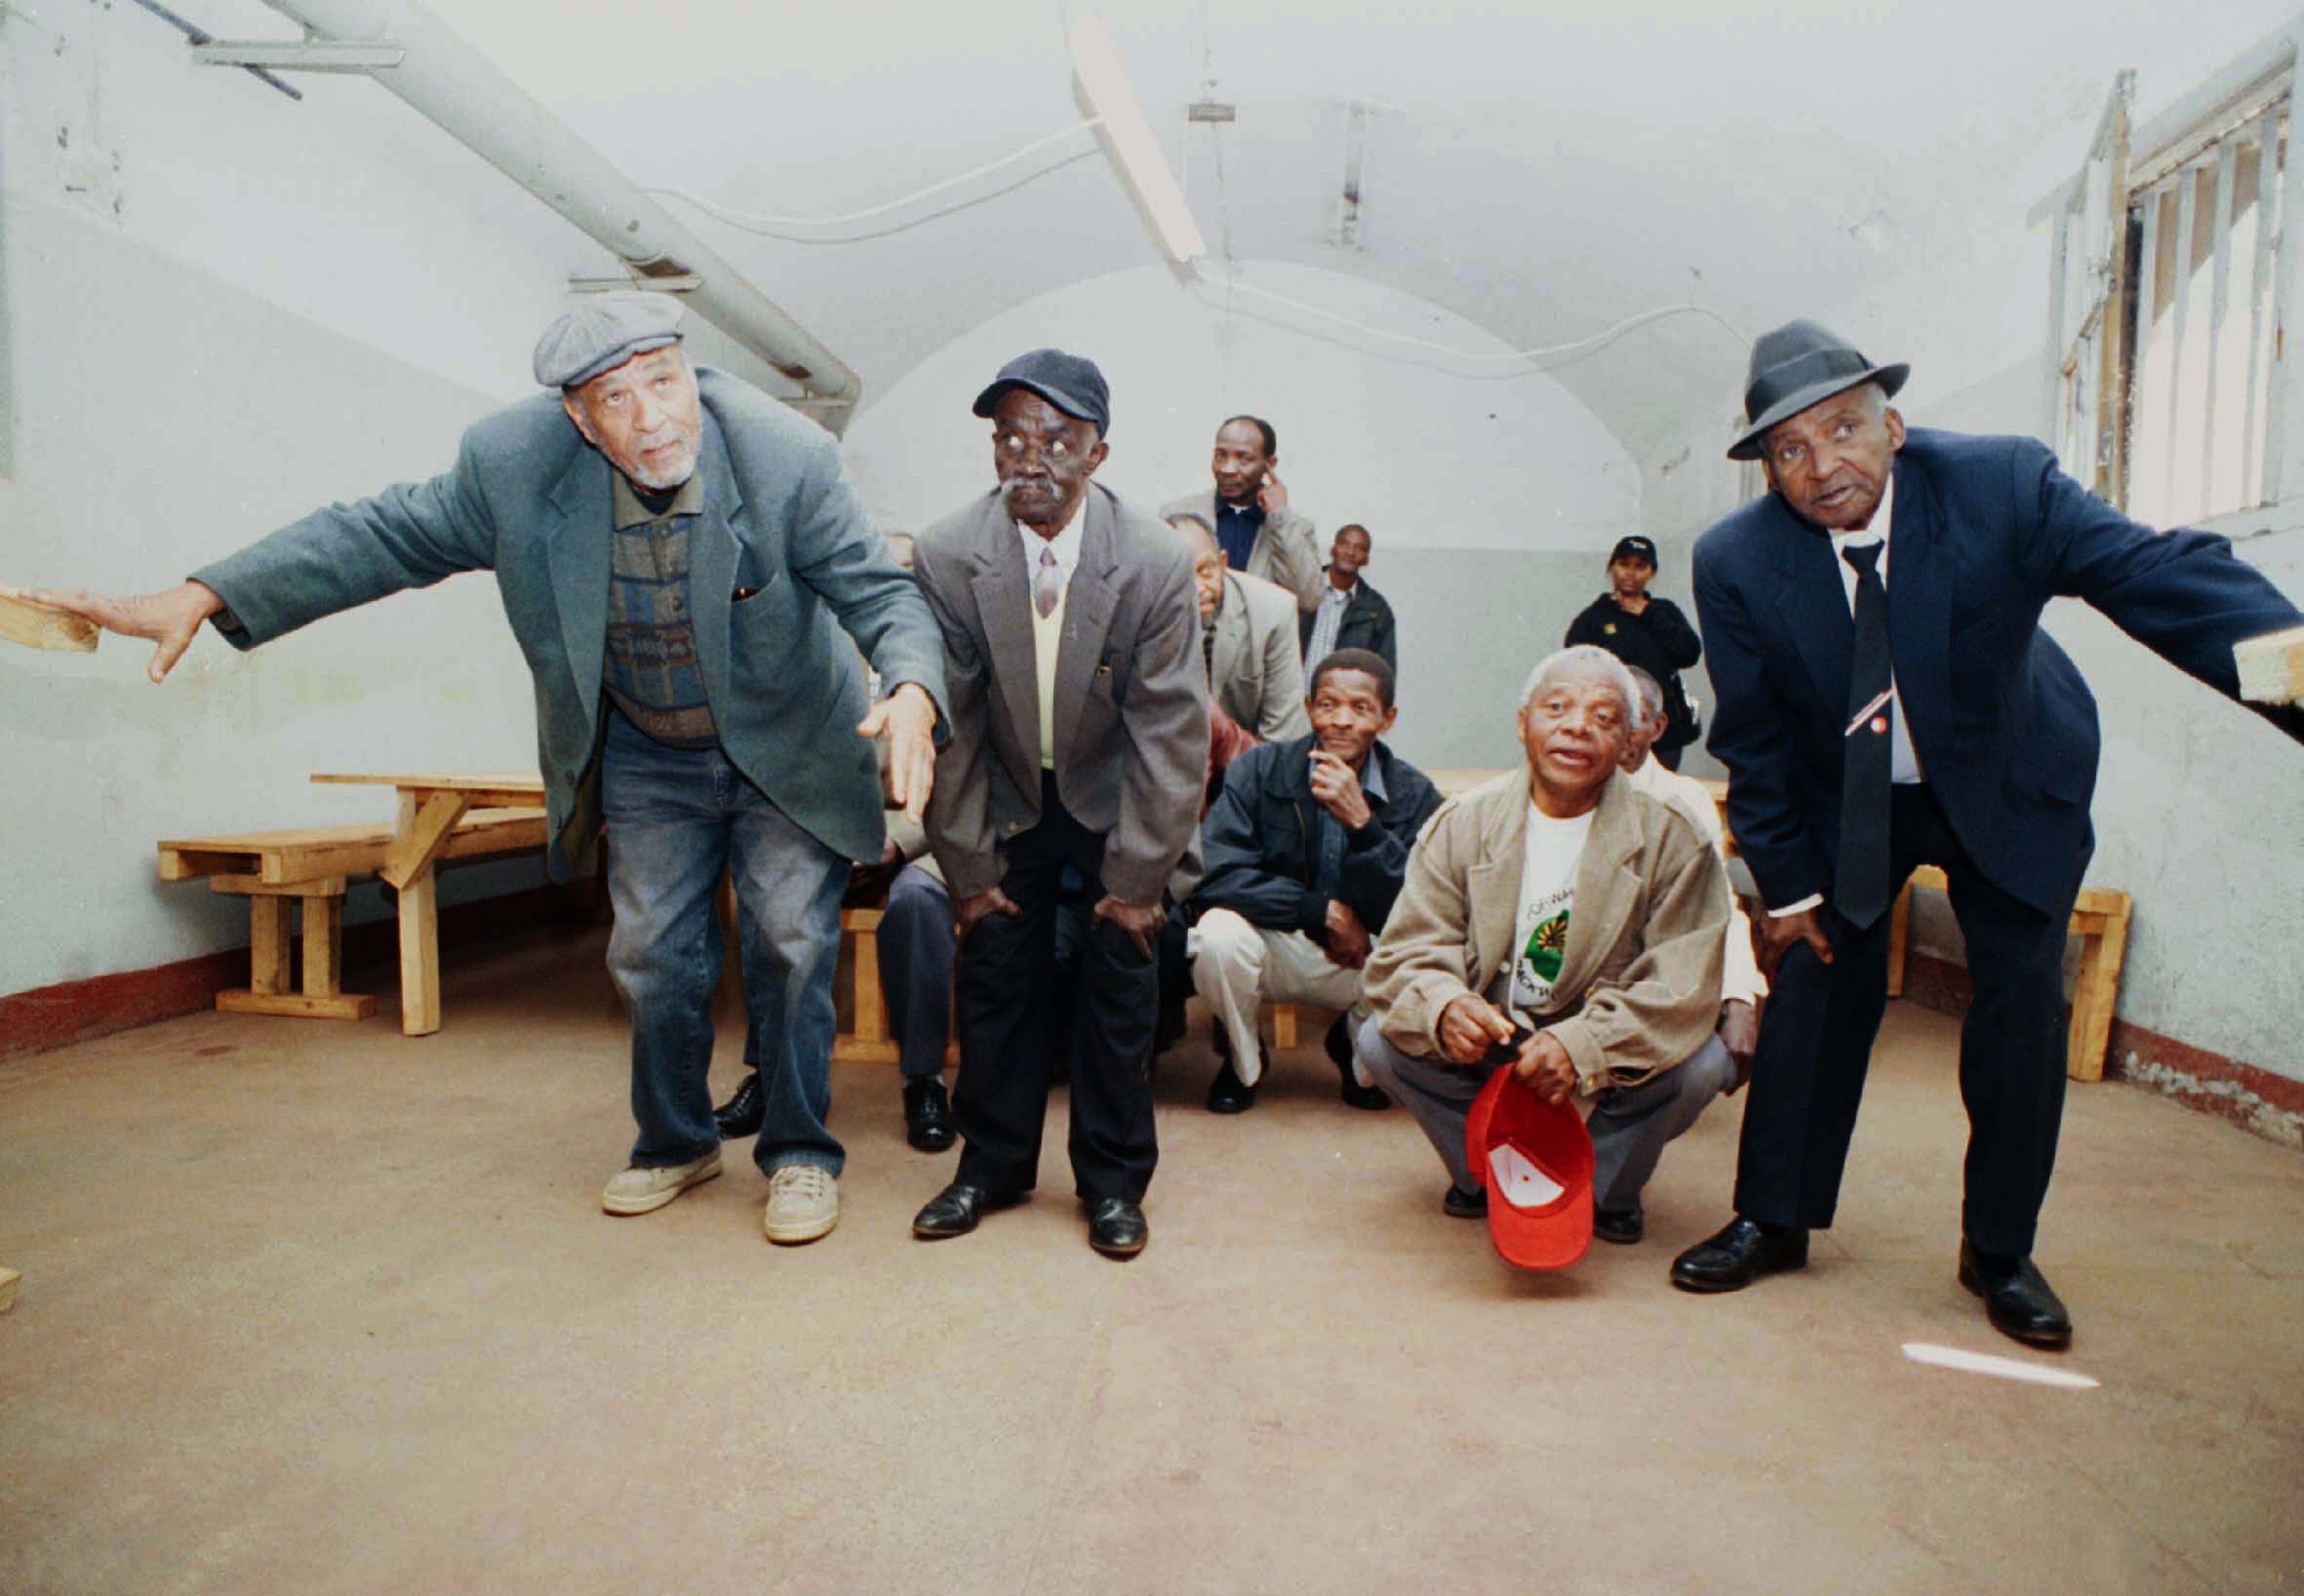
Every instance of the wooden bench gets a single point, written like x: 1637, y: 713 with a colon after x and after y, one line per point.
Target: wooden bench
x: 2100, y: 919
x: 312, y: 866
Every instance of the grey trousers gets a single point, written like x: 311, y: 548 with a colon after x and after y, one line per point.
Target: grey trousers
x: 916, y: 947
x: 1629, y: 1125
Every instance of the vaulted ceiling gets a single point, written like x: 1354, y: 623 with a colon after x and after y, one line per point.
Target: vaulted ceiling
x: 1545, y: 172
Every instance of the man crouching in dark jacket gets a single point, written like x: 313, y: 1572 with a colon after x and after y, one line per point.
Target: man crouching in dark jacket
x: 1305, y: 850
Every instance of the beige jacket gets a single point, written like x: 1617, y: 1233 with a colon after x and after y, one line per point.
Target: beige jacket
x: 1256, y: 669
x: 1639, y: 978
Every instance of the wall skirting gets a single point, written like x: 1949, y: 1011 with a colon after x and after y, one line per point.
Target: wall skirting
x: 78, y: 1010
x: 2253, y: 1098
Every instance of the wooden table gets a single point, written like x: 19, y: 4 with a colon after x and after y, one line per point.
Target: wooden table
x: 430, y: 806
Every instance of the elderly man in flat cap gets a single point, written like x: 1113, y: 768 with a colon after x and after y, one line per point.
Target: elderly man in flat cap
x: 1887, y: 699
x: 673, y: 548
x: 1079, y: 733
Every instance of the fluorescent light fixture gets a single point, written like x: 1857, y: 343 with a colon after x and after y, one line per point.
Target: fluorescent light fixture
x: 1127, y: 140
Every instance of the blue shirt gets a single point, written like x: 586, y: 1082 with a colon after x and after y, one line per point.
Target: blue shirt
x: 1236, y: 531
x: 1327, y: 832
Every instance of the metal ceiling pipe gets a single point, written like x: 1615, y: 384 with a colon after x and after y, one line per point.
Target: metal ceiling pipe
x: 457, y: 87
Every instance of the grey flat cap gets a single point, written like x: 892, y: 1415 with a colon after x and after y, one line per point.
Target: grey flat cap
x: 603, y: 332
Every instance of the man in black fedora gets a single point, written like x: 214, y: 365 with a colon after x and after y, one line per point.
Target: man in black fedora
x: 1875, y: 720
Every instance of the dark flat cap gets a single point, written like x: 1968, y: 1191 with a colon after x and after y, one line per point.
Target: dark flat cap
x: 603, y: 332
x: 1070, y: 382
x: 1798, y: 365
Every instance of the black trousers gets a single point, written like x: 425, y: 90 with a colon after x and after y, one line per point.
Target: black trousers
x: 1006, y: 988
x: 1816, y: 1042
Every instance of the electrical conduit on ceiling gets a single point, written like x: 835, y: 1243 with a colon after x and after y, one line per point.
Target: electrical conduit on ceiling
x: 455, y: 86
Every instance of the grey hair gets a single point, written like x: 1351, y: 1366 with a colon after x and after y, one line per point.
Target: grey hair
x: 1651, y: 694
x: 1583, y: 660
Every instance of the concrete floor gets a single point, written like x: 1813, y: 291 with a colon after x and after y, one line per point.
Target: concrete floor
x: 312, y: 1308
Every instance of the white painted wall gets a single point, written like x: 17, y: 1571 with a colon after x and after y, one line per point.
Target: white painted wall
x: 1486, y: 499
x: 286, y: 304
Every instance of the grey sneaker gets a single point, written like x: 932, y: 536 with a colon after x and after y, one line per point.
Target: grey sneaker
x: 802, y: 1204
x: 644, y: 1191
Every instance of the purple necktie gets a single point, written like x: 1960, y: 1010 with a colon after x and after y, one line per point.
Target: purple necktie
x: 1048, y: 587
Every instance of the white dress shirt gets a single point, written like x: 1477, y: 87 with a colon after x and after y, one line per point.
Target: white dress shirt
x: 1903, y: 764
x: 1064, y: 545
x: 1740, y: 978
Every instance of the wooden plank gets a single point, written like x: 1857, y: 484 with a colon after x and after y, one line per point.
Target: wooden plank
x: 302, y: 855
x: 2219, y: 306
x: 2266, y: 132
x: 1900, y: 940
x: 2272, y: 668
x: 191, y: 863
x: 419, y: 954
x: 42, y: 626
x: 417, y: 843
x: 527, y: 783
x: 297, y: 1004
x: 2095, y: 994
x: 871, y: 1005
x: 268, y: 967
x: 324, y: 947
x: 257, y: 887
x: 1284, y: 1027
x: 8, y: 1284
x: 850, y: 1050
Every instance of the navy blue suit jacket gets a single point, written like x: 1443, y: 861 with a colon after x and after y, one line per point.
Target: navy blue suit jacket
x: 1987, y: 531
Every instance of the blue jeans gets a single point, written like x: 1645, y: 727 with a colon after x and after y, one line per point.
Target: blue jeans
x: 678, y: 819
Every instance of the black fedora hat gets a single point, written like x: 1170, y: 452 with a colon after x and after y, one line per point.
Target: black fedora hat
x: 1798, y: 365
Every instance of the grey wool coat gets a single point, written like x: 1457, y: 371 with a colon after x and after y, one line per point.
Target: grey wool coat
x: 530, y: 499
x: 1130, y: 698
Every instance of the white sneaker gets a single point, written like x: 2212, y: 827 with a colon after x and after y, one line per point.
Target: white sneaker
x: 802, y: 1204
x: 644, y: 1191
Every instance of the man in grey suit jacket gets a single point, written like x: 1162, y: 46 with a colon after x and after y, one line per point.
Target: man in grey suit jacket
x: 674, y: 550
x: 1248, y: 637
x: 1080, y: 733
x: 1248, y: 510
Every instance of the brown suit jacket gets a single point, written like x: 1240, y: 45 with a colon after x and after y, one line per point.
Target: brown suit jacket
x: 1130, y: 701
x: 1639, y: 978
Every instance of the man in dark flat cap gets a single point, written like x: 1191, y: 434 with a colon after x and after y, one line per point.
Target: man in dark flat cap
x: 1080, y: 733
x: 1875, y: 720
x: 672, y: 547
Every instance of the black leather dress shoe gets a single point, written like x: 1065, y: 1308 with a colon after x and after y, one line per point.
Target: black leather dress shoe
x: 1739, y: 1255
x: 2016, y: 1299
x: 1228, y: 1094
x: 741, y: 1115
x: 1464, y: 1205
x: 928, y: 1116
x: 1622, y: 1226
x: 955, y: 1211
x: 1116, y: 1228
x: 1339, y: 1052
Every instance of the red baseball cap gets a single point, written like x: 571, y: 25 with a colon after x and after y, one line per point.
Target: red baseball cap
x: 1535, y: 1159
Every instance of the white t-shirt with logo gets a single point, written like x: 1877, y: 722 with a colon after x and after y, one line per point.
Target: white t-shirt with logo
x: 1547, y: 896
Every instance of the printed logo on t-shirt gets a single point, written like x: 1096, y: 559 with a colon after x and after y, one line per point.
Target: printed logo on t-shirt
x: 1542, y: 948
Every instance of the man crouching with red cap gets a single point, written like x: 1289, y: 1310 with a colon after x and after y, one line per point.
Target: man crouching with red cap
x: 1563, y: 908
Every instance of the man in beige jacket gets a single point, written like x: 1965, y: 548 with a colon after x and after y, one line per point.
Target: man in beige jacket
x: 1560, y: 904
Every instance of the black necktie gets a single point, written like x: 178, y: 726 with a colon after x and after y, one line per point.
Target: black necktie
x: 1861, y: 890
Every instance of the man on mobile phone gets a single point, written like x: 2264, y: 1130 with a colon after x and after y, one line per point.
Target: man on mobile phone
x: 1564, y: 924
x: 1248, y: 509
